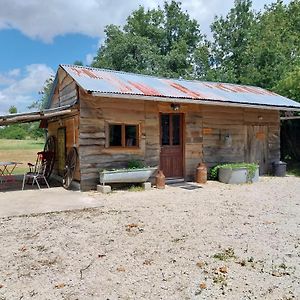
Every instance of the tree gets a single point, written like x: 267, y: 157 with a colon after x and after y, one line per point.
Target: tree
x: 43, y: 101
x: 289, y: 85
x: 233, y: 36
x: 276, y: 48
x: 78, y: 63
x: 160, y: 41
x: 13, y: 110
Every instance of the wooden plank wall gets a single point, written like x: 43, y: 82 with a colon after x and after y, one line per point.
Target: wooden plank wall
x: 71, y: 124
x: 271, y: 119
x: 193, y: 140
x: 152, y: 131
x: 96, y: 114
x: 66, y: 90
x: 225, y: 133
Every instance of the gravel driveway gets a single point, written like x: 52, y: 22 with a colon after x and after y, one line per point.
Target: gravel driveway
x: 185, y: 242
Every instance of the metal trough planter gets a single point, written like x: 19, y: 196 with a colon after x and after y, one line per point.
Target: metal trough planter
x: 237, y: 175
x: 126, y: 175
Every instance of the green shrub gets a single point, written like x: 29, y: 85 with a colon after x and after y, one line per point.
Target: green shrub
x: 22, y: 131
x: 15, y: 132
x: 135, y: 164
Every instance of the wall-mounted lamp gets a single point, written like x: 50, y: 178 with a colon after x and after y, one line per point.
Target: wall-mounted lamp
x: 60, y: 122
x: 175, y: 106
x: 260, y: 118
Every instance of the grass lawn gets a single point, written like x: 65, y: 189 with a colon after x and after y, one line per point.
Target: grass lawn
x: 22, y: 151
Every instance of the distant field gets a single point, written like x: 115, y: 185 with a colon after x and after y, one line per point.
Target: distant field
x: 22, y: 151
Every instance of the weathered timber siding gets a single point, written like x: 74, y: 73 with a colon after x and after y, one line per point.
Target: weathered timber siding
x: 224, y: 135
x: 152, y: 137
x: 66, y: 90
x: 193, y: 140
x: 95, y: 115
x: 71, y: 124
x: 226, y: 130
x: 97, y: 112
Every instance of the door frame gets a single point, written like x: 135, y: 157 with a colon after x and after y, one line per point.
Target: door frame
x: 183, y: 136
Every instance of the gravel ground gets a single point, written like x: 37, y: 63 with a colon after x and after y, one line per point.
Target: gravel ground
x: 185, y: 242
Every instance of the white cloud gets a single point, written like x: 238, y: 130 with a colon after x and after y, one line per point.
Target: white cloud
x: 89, y: 58
x: 14, y: 72
x: 22, y: 91
x: 55, y: 17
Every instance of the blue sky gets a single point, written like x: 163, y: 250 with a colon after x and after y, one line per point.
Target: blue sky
x: 35, y: 38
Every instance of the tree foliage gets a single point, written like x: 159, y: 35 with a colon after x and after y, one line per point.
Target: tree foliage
x: 258, y: 48
x: 41, y: 103
x: 12, y: 109
x: 233, y: 36
x: 162, y: 41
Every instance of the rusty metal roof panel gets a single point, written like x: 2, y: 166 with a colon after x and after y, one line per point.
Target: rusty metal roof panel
x: 115, y: 82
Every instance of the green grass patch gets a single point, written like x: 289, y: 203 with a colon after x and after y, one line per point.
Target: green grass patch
x: 225, y: 254
x: 22, y: 151
x: 21, y: 144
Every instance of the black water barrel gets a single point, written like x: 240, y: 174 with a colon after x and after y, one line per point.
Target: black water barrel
x: 279, y: 169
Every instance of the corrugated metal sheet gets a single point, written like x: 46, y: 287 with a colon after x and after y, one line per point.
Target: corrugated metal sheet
x: 114, y: 82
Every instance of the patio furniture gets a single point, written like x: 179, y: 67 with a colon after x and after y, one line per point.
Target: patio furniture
x: 38, y: 172
x: 6, y: 170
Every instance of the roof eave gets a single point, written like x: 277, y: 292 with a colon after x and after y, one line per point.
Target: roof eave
x: 194, y: 101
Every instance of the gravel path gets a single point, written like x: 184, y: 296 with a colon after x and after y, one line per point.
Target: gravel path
x: 185, y: 242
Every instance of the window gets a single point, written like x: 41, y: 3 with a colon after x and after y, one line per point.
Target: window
x: 123, y: 135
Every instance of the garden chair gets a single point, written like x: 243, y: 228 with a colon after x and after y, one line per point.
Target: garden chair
x: 38, y: 171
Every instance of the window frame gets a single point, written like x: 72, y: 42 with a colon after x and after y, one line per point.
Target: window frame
x: 123, y: 135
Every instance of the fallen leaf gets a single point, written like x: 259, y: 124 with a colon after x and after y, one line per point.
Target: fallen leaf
x: 121, y: 269
x: 276, y: 274
x: 132, y: 225
x: 269, y: 222
x: 223, y: 269
x: 60, y: 285
x: 200, y: 264
x: 202, y: 285
x: 101, y: 255
x: 148, y: 262
x: 23, y: 248
x: 1, y: 286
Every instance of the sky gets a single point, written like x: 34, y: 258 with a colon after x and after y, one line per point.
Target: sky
x: 36, y: 36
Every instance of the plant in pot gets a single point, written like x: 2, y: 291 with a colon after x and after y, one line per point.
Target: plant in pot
x: 235, y: 173
x: 136, y: 172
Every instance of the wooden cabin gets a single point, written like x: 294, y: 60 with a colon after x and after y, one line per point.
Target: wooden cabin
x: 173, y: 124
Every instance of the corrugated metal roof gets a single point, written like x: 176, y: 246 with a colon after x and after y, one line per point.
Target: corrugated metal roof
x: 115, y: 82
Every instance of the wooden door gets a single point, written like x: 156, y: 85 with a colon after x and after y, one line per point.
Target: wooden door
x: 257, y: 147
x: 171, y: 142
x: 61, y: 149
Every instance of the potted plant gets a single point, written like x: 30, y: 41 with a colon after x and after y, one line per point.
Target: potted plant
x: 136, y: 172
x: 236, y: 173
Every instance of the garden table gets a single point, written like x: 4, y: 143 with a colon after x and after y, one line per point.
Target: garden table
x: 6, y: 170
